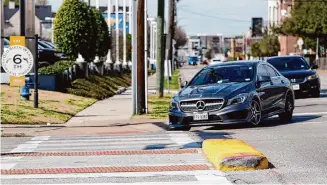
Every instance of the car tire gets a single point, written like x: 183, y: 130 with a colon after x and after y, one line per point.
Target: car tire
x: 289, y: 107
x: 185, y: 128
x: 255, y: 113
x: 316, y: 94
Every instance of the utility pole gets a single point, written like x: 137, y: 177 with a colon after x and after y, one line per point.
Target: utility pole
x: 124, y: 34
x: 160, y: 48
x: 171, y: 30
x: 1, y: 27
x: 317, y: 50
x: 140, y: 58
x: 134, y: 57
x: 22, y: 17
x: 109, y: 61
x: 146, y: 54
x: 117, y: 34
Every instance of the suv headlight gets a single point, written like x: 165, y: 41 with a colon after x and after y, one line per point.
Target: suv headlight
x: 173, y: 105
x: 238, y: 99
x: 311, y: 77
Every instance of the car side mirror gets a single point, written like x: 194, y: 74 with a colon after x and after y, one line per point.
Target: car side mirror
x: 264, y: 79
x: 184, y: 84
x: 314, y: 66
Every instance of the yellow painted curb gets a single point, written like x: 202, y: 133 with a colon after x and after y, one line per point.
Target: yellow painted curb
x: 233, y: 155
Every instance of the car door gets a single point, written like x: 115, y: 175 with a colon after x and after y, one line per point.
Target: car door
x: 264, y: 89
x: 277, y: 89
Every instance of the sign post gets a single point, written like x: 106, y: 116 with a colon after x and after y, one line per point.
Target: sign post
x: 18, y: 61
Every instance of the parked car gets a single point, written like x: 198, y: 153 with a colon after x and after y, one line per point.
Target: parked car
x: 232, y: 92
x: 48, y: 56
x: 302, y: 76
x: 192, y: 60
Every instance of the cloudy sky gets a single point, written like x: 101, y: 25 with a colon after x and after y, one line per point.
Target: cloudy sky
x: 227, y: 17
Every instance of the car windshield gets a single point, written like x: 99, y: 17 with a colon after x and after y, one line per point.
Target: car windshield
x: 44, y: 45
x: 289, y: 63
x: 224, y: 74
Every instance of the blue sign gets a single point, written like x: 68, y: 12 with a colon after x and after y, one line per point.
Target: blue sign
x: 120, y: 20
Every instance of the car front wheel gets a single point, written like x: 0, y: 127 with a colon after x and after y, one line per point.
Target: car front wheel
x: 254, y: 116
x: 289, y: 107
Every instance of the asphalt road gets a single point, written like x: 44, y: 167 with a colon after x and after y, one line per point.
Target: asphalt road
x: 297, y: 151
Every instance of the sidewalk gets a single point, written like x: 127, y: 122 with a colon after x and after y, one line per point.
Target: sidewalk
x: 109, y: 116
x: 112, y: 110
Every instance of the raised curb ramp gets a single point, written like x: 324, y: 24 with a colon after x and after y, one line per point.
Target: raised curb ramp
x: 233, y: 155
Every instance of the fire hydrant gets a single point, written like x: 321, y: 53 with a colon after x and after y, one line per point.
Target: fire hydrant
x: 25, y: 92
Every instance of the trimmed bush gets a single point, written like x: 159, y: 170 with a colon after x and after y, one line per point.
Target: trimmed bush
x: 99, y: 87
x: 57, y: 68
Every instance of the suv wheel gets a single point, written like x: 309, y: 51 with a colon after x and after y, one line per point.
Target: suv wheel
x: 289, y: 107
x: 254, y: 117
x: 316, y: 94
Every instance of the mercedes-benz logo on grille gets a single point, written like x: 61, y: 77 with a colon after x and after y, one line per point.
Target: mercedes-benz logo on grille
x: 200, y: 105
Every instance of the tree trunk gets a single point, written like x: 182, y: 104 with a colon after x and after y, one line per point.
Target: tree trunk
x: 140, y: 59
x: 171, y: 30
x: 160, y: 48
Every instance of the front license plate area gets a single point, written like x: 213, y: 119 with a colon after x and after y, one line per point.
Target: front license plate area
x: 200, y: 116
x: 296, y: 87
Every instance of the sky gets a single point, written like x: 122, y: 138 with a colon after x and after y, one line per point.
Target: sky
x: 210, y: 17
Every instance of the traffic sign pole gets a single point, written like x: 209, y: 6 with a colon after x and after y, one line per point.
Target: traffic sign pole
x: 36, y: 73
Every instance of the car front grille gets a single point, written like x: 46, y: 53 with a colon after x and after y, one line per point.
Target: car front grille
x: 297, y: 80
x: 210, y: 105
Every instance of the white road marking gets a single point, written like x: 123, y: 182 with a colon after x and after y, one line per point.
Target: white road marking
x: 181, y: 138
x: 29, y: 146
x: 213, y: 178
x: 309, y: 113
x: 40, y: 138
x: 199, y: 173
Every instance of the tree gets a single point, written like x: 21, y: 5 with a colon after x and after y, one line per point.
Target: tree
x: 269, y: 46
x: 255, y: 50
x: 180, y: 37
x: 102, y: 44
x: 209, y: 54
x: 308, y: 19
x: 6, y: 2
x: 73, y: 30
x: 121, y: 46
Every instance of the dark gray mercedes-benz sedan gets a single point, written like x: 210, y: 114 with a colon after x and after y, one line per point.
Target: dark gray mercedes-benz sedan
x: 232, y: 92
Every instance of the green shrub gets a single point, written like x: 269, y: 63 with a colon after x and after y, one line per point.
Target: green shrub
x: 74, y: 30
x: 99, y: 87
x: 56, y: 68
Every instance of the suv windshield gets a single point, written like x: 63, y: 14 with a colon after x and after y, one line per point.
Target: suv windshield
x: 224, y: 74
x: 289, y: 63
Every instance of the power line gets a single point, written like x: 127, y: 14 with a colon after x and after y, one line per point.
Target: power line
x: 215, y: 17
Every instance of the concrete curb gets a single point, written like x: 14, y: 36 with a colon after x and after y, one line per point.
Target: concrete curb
x: 233, y: 155
x: 121, y: 90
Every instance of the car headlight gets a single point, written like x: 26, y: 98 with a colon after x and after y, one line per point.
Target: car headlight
x: 173, y: 105
x: 238, y: 99
x: 311, y: 77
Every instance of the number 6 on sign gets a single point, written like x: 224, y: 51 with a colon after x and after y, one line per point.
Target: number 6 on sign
x: 12, y: 61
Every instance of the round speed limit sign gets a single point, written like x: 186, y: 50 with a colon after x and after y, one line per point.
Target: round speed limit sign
x: 17, y: 61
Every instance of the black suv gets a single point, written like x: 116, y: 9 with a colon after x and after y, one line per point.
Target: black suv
x: 232, y: 92
x: 302, y: 76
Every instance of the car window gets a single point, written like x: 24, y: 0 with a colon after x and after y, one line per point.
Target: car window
x: 271, y: 71
x: 224, y: 74
x: 262, y: 71
x: 288, y: 63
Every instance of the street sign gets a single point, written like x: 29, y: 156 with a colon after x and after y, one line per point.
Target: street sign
x: 17, y: 81
x: 17, y: 61
x: 300, y: 42
x: 17, y: 40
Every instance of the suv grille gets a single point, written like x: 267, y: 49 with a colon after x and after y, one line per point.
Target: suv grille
x: 296, y: 80
x: 210, y: 105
